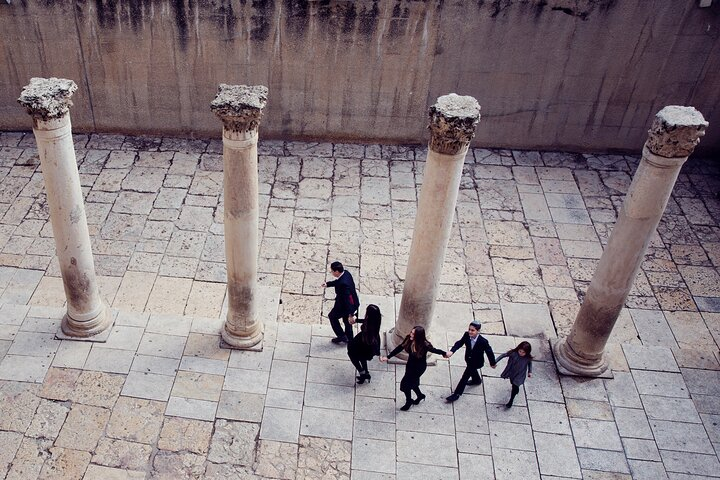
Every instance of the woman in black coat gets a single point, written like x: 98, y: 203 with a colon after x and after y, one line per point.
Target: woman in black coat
x: 417, y: 347
x: 366, y: 344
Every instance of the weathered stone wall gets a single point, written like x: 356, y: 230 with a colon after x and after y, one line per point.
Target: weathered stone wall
x: 549, y: 74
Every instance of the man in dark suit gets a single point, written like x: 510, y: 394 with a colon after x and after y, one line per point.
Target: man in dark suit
x: 475, y: 345
x: 346, y: 302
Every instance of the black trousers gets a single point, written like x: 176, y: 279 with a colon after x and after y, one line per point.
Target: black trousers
x: 470, y: 372
x: 335, y: 317
x: 358, y: 360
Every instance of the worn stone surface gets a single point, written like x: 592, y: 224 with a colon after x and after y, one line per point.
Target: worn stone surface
x: 323, y: 458
x: 49, y: 418
x: 18, y: 402
x: 233, y: 442
x: 276, y: 460
x: 83, y: 427
x: 65, y: 463
x: 122, y: 454
x: 183, y: 434
x: 136, y: 420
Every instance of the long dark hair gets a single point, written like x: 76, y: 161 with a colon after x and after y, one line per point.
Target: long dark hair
x: 420, y: 345
x: 523, y: 346
x: 370, y: 328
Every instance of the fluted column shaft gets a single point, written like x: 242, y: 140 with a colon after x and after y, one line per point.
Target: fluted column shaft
x: 48, y: 102
x: 240, y: 109
x: 673, y: 136
x: 453, y: 120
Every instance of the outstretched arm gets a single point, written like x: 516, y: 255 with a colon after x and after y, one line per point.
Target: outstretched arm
x: 490, y: 355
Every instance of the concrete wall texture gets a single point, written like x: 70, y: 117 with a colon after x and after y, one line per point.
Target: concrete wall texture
x: 549, y: 74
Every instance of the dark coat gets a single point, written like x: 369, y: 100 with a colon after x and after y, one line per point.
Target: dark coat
x: 346, y: 297
x: 517, y: 367
x: 415, y: 366
x: 359, y: 348
x: 474, y: 357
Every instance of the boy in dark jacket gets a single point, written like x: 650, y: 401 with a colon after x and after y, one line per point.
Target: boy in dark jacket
x: 475, y: 345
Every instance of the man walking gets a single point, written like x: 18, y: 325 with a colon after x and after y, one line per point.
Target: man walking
x: 346, y: 302
x: 475, y: 345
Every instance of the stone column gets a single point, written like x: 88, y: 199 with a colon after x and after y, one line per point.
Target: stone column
x: 674, y: 133
x: 47, y: 100
x: 452, y: 125
x: 240, y: 108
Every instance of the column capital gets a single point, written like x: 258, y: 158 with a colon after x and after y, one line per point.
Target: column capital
x: 453, y: 119
x: 240, y: 107
x: 47, y: 98
x: 675, y: 131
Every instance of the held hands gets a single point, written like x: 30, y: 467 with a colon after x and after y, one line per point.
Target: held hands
x: 383, y: 359
x: 351, y: 319
x: 449, y: 354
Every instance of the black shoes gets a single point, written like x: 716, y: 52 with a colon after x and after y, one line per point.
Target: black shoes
x: 473, y: 382
x: 509, y: 404
x: 339, y: 340
x: 452, y: 398
x: 362, y: 377
x: 419, y: 399
x: 407, y: 406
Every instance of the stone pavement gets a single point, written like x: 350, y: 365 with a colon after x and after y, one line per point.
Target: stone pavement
x: 161, y: 400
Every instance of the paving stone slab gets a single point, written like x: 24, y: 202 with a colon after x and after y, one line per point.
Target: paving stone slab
x: 511, y: 435
x: 549, y: 417
x: 369, y: 429
x: 24, y: 369
x: 690, y: 463
x: 150, y: 386
x: 329, y: 396
x: 639, y: 449
x: 426, y: 449
x: 632, y: 422
x: 280, y: 424
x: 650, y: 358
x: 602, y: 460
x: 673, y: 409
x: 684, y: 437
x: 556, y: 455
x: 327, y: 423
x: 510, y: 464
x: 662, y: 384
x: 83, y: 428
x: 595, y: 434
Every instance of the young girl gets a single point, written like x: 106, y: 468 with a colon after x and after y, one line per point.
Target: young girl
x: 519, y: 364
x: 366, y: 344
x: 416, y: 346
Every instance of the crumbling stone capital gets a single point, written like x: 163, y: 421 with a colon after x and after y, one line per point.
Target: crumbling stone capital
x: 675, y: 131
x: 240, y: 107
x: 453, y: 119
x: 47, y: 98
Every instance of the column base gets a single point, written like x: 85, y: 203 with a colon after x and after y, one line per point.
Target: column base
x: 401, y: 358
x: 253, y: 343
x: 96, y: 329
x: 570, y: 363
x: 268, y: 299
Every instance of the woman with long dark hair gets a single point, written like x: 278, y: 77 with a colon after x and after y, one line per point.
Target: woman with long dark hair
x: 417, y: 347
x: 366, y: 344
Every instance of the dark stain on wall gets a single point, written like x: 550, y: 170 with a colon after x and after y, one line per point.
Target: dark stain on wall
x: 297, y: 13
x: 369, y: 19
x: 349, y: 17
x: 261, y: 20
x: 179, y: 11
x: 106, y: 12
